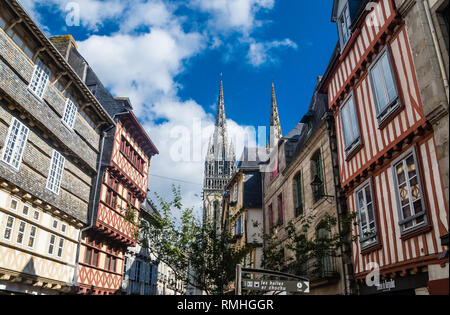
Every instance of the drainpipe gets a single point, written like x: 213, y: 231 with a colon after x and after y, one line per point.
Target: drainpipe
x: 329, y: 118
x: 91, y: 220
x: 426, y: 5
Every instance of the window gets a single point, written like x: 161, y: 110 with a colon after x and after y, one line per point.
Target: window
x: 110, y: 263
x: 9, y: 228
x: 39, y: 80
x: 235, y: 193
x: 55, y: 172
x: 350, y: 126
x: 344, y: 24
x: 13, y: 205
x: 271, y: 221
x: 36, y: 215
x: 366, y: 216
x: 20, y: 43
x: 15, y: 144
x: 88, y: 119
x: 238, y: 226
x: 51, y: 245
x: 21, y: 232
x: 409, y: 193
x: 317, y: 173
x: 55, y: 224
x: 2, y: 23
x: 60, y: 247
x: 25, y: 210
x: 32, y: 236
x: 384, y: 86
x: 91, y: 257
x: 63, y: 228
x: 70, y: 113
x: 298, y: 195
x: 280, y: 210
x: 135, y: 158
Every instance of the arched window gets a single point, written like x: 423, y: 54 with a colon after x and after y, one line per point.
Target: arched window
x: 298, y: 194
x: 317, y: 184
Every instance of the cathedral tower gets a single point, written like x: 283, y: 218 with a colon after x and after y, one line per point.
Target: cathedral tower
x: 220, y: 164
x: 275, y: 124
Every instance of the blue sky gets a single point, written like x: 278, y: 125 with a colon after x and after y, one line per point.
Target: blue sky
x: 167, y: 56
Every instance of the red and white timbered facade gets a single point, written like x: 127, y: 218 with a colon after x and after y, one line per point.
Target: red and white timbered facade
x: 387, y: 151
x: 123, y: 189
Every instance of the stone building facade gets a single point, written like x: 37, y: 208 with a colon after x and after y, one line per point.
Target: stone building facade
x: 307, y: 154
x: 243, y: 212
x: 49, y: 158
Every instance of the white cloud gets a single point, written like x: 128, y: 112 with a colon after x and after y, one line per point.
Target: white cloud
x: 260, y: 52
x: 143, y: 66
x: 237, y: 15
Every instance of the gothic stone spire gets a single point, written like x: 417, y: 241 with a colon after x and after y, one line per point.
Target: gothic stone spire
x: 275, y: 125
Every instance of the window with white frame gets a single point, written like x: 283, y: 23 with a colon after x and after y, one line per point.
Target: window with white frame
x: 63, y: 228
x: 32, y: 236
x: 55, y: 172
x: 51, y: 245
x: 238, y: 226
x: 235, y: 193
x: 39, y: 80
x: 21, y: 232
x: 70, y: 113
x: 366, y: 216
x: 60, y: 248
x: 36, y: 215
x: 344, y: 24
x: 25, y: 210
x: 9, y: 228
x: 13, y: 205
x: 15, y: 144
x: 350, y: 126
x: 384, y: 86
x: 409, y: 193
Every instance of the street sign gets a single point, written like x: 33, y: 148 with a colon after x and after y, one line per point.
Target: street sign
x: 276, y: 285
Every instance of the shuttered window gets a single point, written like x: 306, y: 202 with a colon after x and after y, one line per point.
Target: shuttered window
x: 15, y: 144
x: 55, y: 172
x: 70, y: 113
x: 39, y: 80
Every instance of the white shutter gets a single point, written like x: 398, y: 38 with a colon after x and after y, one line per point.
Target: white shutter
x: 15, y: 144
x: 55, y: 172
x: 70, y: 113
x: 39, y: 80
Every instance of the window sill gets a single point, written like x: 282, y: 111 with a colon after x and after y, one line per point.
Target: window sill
x: 390, y: 116
x: 416, y: 232
x: 353, y: 151
x: 371, y: 248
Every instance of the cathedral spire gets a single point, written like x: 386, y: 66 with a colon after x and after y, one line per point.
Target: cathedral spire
x: 221, y: 117
x: 275, y: 124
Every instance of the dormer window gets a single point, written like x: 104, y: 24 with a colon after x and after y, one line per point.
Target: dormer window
x: 344, y: 23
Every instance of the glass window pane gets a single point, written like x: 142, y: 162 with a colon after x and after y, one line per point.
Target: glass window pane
x: 2, y: 23
x: 379, y: 88
x: 406, y: 212
x: 389, y: 78
x: 400, y: 174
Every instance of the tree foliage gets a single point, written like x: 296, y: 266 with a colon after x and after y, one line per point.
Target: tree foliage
x: 196, y: 250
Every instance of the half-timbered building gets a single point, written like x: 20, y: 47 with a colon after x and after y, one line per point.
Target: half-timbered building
x: 388, y: 163
x: 123, y: 186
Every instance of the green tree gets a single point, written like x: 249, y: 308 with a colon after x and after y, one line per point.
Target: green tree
x: 196, y: 250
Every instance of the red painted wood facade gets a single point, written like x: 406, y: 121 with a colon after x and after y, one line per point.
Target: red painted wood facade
x: 124, y: 185
x: 406, y: 129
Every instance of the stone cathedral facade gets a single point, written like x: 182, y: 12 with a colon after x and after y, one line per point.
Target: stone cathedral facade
x: 220, y: 165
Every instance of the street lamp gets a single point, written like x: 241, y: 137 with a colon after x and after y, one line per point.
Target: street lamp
x: 317, y: 186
